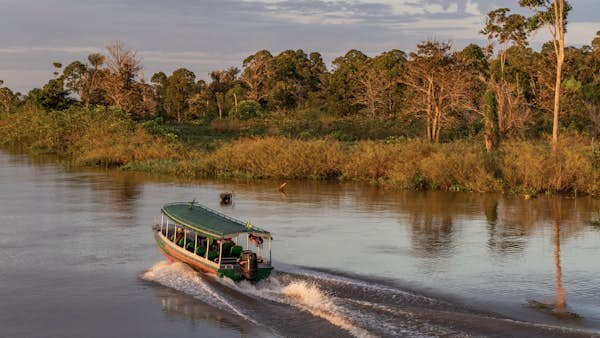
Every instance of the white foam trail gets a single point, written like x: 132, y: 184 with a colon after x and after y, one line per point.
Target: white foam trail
x: 182, y: 278
x: 353, y: 282
x: 303, y: 295
x: 309, y: 297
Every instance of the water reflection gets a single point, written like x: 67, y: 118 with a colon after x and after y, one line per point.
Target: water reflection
x: 432, y: 235
x: 559, y: 307
x: 505, y: 237
x: 117, y: 193
x: 177, y: 304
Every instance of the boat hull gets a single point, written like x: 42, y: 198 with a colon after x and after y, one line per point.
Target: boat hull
x: 177, y: 254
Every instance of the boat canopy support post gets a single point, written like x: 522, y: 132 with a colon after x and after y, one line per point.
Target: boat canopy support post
x: 174, y: 232
x: 220, y: 252
x: 207, y: 246
x: 270, y: 239
x: 185, y: 238
x: 162, y: 221
x: 195, y: 242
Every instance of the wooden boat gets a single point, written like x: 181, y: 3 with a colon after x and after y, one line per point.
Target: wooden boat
x: 210, y: 241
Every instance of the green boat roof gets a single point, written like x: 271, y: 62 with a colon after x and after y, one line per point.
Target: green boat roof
x: 205, y: 220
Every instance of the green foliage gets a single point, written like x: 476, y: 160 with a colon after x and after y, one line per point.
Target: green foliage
x: 245, y: 110
x: 52, y: 96
x: 92, y: 136
x: 179, y: 87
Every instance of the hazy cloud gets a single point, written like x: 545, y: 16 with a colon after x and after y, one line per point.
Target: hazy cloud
x: 203, y: 35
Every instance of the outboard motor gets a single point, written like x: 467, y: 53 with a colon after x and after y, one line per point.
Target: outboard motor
x: 248, y: 265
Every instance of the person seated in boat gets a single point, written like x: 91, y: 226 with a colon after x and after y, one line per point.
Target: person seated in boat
x: 178, y: 236
x: 256, y: 240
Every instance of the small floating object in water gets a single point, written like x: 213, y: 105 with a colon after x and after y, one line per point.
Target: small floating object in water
x: 226, y: 198
x: 282, y: 187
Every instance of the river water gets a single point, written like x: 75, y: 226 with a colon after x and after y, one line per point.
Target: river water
x: 78, y: 259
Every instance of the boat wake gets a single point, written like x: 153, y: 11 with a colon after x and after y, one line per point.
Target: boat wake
x: 305, y: 302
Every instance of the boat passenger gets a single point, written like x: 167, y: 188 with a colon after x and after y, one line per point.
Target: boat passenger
x: 178, y: 236
x: 257, y: 240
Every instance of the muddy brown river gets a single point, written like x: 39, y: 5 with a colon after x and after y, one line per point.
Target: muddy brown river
x: 78, y: 259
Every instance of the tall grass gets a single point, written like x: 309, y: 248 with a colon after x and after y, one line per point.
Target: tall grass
x: 276, y: 157
x: 95, y: 136
x: 104, y: 136
x: 533, y: 167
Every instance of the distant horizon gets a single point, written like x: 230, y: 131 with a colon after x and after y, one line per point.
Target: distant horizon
x: 218, y: 34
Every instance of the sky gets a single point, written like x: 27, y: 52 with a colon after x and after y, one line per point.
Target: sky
x: 205, y: 35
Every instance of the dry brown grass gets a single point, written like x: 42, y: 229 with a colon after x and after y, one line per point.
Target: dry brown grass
x: 277, y: 157
x: 105, y: 137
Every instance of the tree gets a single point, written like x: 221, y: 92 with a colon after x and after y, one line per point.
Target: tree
x: 295, y: 77
x: 552, y: 14
x: 74, y: 76
x: 180, y: 86
x: 202, y: 103
x: 57, y: 66
x: 343, y: 85
x: 378, y: 79
x: 94, y: 94
x: 120, y: 83
x: 7, y: 98
x: 222, y: 81
x: 159, y: 84
x: 437, y: 84
x: 53, y: 95
x: 506, y: 31
x: 257, y: 75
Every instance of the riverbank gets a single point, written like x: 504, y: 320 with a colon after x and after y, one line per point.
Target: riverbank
x: 106, y: 137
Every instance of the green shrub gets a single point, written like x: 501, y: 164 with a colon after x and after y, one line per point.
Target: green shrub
x: 245, y: 110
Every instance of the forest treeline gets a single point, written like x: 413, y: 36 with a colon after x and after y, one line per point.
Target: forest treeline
x: 493, y: 104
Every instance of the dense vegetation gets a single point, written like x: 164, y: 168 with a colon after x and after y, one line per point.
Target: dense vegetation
x: 434, y: 118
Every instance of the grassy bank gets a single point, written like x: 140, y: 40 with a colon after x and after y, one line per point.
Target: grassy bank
x: 106, y: 137
x: 97, y: 136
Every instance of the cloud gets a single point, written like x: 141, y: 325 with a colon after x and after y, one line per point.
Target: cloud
x: 189, y: 57
x: 472, y: 8
x: 578, y: 33
x: 43, y: 49
x: 342, y: 12
x: 447, y: 28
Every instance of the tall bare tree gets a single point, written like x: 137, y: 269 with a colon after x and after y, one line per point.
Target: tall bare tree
x: 552, y: 14
x: 437, y: 84
x: 121, y: 82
